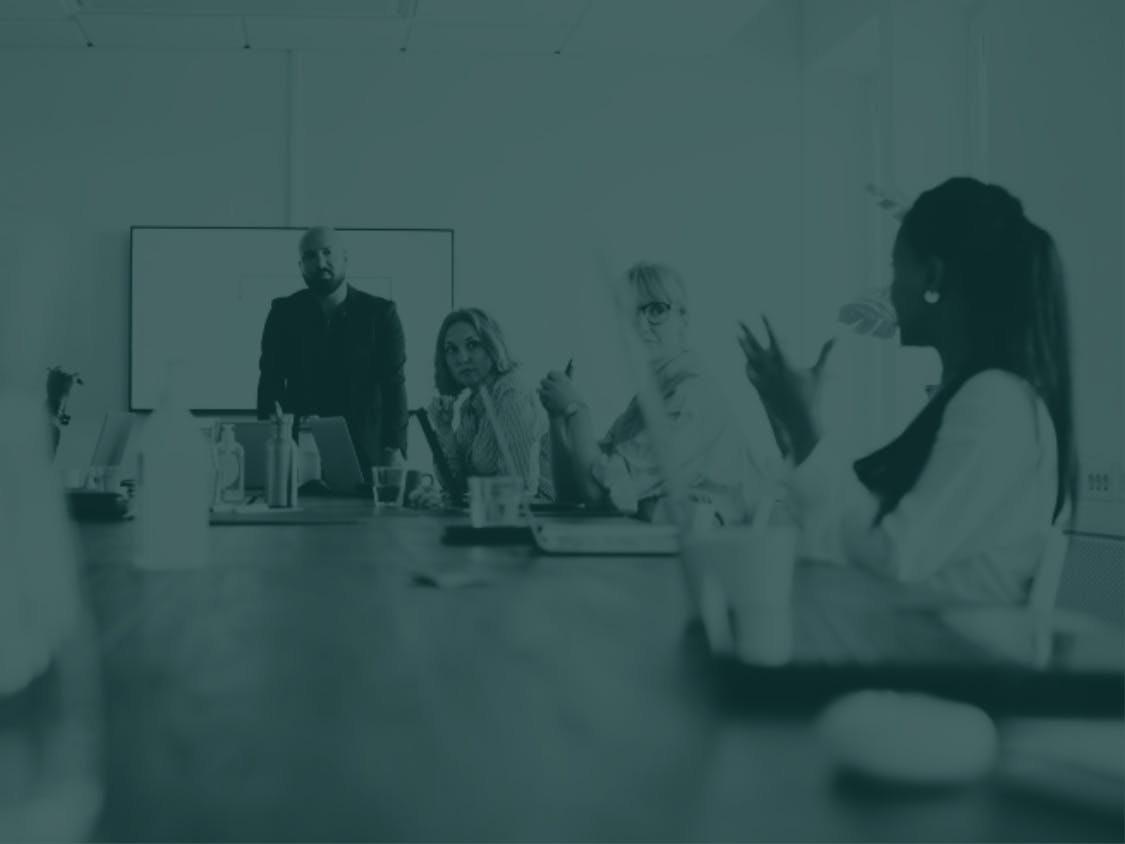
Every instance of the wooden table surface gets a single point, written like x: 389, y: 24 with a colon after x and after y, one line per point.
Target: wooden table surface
x: 303, y: 686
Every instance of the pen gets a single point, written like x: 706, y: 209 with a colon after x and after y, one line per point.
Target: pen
x: 569, y: 367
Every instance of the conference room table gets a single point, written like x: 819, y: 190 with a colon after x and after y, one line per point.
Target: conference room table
x: 305, y: 683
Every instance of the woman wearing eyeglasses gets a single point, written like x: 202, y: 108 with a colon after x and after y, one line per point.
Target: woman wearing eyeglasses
x: 622, y: 469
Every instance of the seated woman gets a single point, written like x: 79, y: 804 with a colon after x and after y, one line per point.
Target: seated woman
x: 623, y: 469
x: 964, y: 501
x: 472, y: 357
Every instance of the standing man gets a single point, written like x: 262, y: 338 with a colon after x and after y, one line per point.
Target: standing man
x: 332, y: 350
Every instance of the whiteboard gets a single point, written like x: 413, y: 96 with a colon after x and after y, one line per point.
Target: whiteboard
x: 199, y: 298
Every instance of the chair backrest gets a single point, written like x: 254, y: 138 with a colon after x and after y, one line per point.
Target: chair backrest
x: 1093, y: 578
x: 1045, y: 590
x: 1080, y: 572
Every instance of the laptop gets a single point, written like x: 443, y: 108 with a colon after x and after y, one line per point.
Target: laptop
x: 114, y: 440
x: 78, y: 443
x: 94, y: 441
x: 339, y: 465
x: 97, y: 442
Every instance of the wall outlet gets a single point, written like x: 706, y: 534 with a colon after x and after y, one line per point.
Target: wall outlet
x: 1101, y: 480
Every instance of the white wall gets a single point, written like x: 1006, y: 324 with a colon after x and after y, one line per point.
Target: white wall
x: 691, y: 161
x: 99, y: 141
x: 1057, y: 137
x: 668, y: 160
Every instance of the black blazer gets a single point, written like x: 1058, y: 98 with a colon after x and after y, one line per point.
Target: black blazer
x: 374, y: 368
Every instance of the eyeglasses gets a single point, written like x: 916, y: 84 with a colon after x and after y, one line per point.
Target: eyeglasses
x: 656, y: 313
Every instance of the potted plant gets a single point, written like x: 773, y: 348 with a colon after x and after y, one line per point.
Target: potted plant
x: 871, y: 313
x: 59, y: 384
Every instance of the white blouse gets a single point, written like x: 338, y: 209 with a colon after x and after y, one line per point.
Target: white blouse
x: 706, y: 446
x: 976, y: 523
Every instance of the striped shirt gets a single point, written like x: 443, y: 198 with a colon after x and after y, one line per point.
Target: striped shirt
x: 472, y: 449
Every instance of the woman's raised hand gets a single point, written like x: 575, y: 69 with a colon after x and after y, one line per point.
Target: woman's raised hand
x: 440, y: 411
x: 791, y: 396
x: 557, y: 392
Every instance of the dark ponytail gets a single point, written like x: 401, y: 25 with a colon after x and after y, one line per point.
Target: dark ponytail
x: 1009, y: 274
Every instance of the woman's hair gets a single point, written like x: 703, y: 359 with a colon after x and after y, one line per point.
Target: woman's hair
x: 659, y: 282
x: 1008, y: 273
x: 490, y: 336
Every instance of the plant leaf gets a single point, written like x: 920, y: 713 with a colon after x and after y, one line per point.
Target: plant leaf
x: 870, y: 314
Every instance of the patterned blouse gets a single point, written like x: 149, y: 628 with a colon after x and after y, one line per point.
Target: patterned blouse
x: 471, y: 447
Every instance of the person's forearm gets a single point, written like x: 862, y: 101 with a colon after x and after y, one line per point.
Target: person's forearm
x: 392, y: 358
x: 453, y: 460
x: 271, y: 378
x: 561, y: 472
x: 583, y: 452
x: 803, y: 438
x: 269, y: 396
x: 396, y: 416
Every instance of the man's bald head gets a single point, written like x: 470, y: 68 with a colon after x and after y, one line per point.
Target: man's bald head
x: 323, y: 260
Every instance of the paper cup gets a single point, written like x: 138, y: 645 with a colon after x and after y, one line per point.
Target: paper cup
x: 107, y: 479
x: 743, y: 585
x: 495, y: 501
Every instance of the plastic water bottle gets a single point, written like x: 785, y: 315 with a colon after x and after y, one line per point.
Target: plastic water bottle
x: 174, y: 487
x: 231, y: 462
x: 281, y: 464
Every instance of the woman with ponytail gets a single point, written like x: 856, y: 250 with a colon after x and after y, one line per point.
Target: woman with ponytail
x: 965, y: 499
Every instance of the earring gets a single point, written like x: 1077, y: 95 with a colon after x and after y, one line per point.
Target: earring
x: 931, y: 297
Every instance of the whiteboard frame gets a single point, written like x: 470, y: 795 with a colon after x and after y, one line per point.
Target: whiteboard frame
x: 253, y: 412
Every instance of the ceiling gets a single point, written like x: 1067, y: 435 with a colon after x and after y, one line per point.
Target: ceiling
x: 633, y: 27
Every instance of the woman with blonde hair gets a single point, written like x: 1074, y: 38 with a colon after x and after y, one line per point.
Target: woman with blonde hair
x: 471, y: 358
x: 623, y: 469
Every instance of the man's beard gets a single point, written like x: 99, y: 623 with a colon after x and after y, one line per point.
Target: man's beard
x: 324, y: 286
